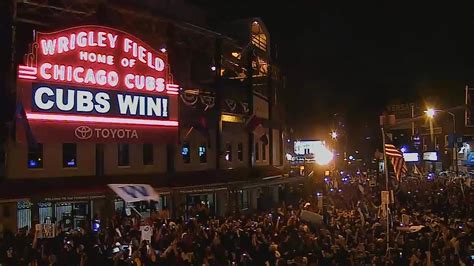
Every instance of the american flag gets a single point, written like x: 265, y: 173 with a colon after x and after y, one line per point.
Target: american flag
x: 396, y: 157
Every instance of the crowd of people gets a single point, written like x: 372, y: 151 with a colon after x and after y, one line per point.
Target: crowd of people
x: 430, y: 223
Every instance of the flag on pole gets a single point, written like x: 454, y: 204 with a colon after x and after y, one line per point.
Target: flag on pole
x: 396, y: 157
x: 255, y: 125
x: 135, y: 192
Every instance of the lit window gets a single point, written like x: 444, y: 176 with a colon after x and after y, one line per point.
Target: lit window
x: 123, y: 154
x: 260, y: 67
x: 228, y: 152
x: 69, y: 155
x: 186, y: 153
x: 240, y: 151
x: 35, y: 156
x: 202, y: 153
x: 259, y: 39
x: 264, y: 152
x: 23, y: 215
x: 236, y: 55
x: 147, y: 154
x: 257, y: 153
x: 244, y: 199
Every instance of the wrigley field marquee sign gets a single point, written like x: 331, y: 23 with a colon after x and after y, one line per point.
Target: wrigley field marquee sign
x: 96, y: 84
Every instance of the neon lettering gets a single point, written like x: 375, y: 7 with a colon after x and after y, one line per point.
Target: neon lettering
x: 59, y: 72
x: 101, y: 119
x: 141, y: 54
x: 142, y: 105
x: 82, y: 39
x: 84, y: 101
x: 165, y: 107
x: 101, y: 37
x: 127, y: 104
x: 90, y: 39
x: 128, y: 83
x: 43, y: 68
x: 48, y: 46
x: 103, y: 104
x: 63, y: 44
x: 160, y: 84
x: 101, y: 77
x: 75, y: 74
x: 89, y: 78
x: 60, y: 100
x: 112, y: 40
x: 38, y: 97
x: 154, y: 106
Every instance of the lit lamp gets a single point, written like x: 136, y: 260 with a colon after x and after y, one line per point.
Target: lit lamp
x: 333, y: 135
x: 323, y: 155
x: 430, y: 112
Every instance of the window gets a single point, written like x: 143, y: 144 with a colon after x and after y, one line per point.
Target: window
x: 259, y: 39
x: 35, y: 156
x: 147, y: 154
x: 228, y: 152
x: 45, y: 210
x: 260, y: 67
x: 186, y: 153
x: 123, y: 154
x: 119, y: 205
x: 264, y: 152
x: 244, y: 199
x: 69, y: 155
x: 257, y: 153
x: 202, y: 153
x: 23, y: 214
x: 240, y: 151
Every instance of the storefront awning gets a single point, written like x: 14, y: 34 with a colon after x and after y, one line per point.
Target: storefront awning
x: 94, y: 186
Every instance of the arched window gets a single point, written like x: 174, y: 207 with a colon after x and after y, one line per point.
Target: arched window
x: 259, y: 39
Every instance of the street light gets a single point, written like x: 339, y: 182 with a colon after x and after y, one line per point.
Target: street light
x: 333, y: 135
x: 430, y: 112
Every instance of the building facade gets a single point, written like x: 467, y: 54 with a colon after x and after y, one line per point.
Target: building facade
x: 224, y: 146
x: 438, y: 143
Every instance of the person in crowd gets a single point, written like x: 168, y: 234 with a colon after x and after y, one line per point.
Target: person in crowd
x: 429, y: 224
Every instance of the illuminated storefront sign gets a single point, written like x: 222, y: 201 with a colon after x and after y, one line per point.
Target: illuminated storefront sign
x: 411, y: 156
x: 100, y: 80
x: 430, y: 156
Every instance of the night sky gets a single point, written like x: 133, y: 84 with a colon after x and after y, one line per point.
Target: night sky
x: 355, y: 57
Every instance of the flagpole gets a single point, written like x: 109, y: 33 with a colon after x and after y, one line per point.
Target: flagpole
x: 386, y: 187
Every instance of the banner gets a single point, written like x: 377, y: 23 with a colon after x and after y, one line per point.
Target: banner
x: 135, y: 192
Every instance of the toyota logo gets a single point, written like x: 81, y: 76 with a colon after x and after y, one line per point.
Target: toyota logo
x: 83, y: 132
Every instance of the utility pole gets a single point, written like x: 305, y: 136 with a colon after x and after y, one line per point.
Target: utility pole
x: 386, y: 121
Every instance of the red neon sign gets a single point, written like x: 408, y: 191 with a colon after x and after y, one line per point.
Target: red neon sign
x: 97, y: 75
x: 96, y: 55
